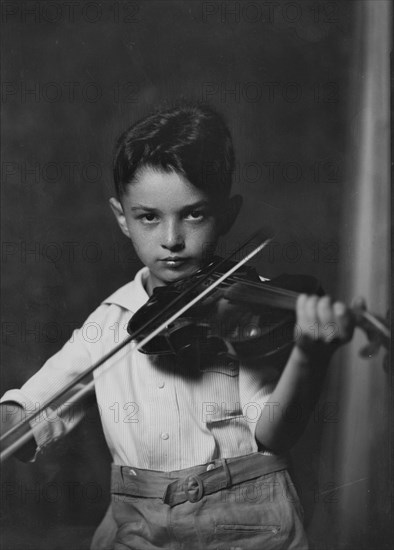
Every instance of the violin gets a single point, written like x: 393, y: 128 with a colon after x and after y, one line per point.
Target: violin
x: 179, y: 316
x: 266, y: 331
x: 260, y: 327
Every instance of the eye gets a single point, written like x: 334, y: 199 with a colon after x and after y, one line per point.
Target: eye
x: 149, y: 217
x: 195, y: 215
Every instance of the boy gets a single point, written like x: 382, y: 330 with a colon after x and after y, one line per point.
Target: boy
x: 191, y: 468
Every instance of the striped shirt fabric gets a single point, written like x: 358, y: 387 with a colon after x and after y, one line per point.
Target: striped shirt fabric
x: 156, y: 413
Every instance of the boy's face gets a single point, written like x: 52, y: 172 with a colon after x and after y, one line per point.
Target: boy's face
x: 171, y: 223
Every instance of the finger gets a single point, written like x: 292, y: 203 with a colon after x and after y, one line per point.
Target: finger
x: 326, y: 319
x: 359, y: 303
x: 324, y: 310
x: 311, y: 309
x: 339, y: 309
x: 343, y: 321
x: 300, y: 327
x: 300, y: 304
x: 301, y: 309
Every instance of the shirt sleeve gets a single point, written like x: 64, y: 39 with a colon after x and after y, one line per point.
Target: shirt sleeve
x: 63, y: 367
x: 257, y: 382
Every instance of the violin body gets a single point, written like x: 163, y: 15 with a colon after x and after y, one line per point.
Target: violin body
x: 271, y: 331
x: 222, y: 325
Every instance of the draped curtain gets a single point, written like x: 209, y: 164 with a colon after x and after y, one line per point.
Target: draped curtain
x: 355, y: 496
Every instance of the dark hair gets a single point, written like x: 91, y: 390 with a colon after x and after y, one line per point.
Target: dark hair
x: 192, y: 140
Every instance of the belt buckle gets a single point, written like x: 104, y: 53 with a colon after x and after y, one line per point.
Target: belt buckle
x: 200, y: 488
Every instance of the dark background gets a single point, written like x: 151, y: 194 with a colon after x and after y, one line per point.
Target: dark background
x: 73, y: 79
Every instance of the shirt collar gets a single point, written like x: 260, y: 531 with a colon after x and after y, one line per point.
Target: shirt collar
x: 132, y: 295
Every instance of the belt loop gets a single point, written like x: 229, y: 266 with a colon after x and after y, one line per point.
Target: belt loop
x: 166, y: 495
x: 227, y: 473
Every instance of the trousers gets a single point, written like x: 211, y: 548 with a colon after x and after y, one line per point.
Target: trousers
x: 248, y: 503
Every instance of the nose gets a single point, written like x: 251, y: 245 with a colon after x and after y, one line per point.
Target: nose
x: 173, y: 238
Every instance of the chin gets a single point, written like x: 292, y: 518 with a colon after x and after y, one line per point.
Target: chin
x: 171, y: 276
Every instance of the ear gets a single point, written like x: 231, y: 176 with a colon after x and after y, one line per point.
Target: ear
x: 117, y: 209
x: 229, y: 214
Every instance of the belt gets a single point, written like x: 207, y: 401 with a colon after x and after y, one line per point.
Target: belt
x: 192, y: 484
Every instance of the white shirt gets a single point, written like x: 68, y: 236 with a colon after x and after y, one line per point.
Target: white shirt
x: 154, y: 414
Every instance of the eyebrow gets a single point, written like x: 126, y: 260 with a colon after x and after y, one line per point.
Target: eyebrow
x: 193, y: 206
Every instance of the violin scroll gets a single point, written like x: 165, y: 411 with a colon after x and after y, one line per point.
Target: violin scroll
x: 375, y: 328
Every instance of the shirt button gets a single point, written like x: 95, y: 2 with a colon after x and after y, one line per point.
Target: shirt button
x: 161, y: 385
x: 210, y: 467
x: 164, y: 435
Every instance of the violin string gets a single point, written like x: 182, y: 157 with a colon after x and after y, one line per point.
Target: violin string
x: 238, y: 293
x: 269, y: 289
x: 264, y: 288
x: 262, y: 285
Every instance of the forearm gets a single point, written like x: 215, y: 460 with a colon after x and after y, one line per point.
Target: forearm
x: 285, y: 415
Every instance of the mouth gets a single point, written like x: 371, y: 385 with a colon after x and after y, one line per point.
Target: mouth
x: 174, y: 261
